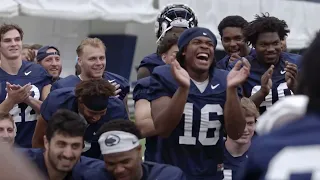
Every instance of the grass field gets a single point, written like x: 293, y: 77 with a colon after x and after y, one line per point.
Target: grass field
x: 142, y: 141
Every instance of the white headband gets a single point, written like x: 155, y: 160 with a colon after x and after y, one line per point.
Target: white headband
x: 117, y: 141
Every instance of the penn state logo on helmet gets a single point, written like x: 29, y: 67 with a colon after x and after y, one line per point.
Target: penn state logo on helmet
x: 112, y: 140
x: 176, y: 15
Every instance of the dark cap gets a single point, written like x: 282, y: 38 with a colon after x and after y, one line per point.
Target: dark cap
x: 42, y: 52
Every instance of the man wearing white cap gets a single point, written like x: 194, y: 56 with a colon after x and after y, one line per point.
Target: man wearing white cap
x: 121, y: 149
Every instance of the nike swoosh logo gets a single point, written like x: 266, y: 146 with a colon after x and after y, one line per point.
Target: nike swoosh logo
x: 110, y: 81
x: 282, y: 72
x: 27, y: 73
x: 213, y: 87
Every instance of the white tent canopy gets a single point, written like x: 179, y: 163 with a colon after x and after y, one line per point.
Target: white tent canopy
x: 9, y: 8
x: 140, y: 11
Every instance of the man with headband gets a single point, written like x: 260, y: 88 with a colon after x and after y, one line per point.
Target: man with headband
x: 121, y: 149
x: 91, y: 99
x: 49, y: 58
x: 191, y: 103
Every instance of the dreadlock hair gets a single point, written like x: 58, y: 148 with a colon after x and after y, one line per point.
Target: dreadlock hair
x: 120, y: 125
x: 263, y: 24
x: 307, y: 83
x: 96, y: 87
x: 232, y: 21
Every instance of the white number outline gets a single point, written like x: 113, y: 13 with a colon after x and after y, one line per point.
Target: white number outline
x: 205, y: 125
x: 268, y: 99
x: 16, y: 111
x: 298, y: 159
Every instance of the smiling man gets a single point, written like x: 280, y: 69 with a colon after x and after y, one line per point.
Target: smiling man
x: 8, y: 128
x: 233, y: 40
x: 192, y: 102
x: 93, y: 100
x: 265, y: 33
x: 49, y: 58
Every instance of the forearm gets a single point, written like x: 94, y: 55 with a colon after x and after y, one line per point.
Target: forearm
x: 168, y: 119
x: 35, y: 104
x: 258, y: 98
x: 234, y: 119
x: 6, y: 106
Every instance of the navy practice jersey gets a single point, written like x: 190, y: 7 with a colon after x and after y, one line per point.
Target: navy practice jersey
x: 279, y: 85
x: 196, y: 144
x: 72, y: 81
x: 64, y: 98
x: 224, y: 62
x: 141, y: 91
x: 290, y: 152
x: 85, y: 164
x: 232, y: 164
x: 24, y: 116
x: 151, y: 171
x: 151, y: 61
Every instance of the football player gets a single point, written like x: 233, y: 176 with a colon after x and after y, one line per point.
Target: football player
x: 121, y: 149
x: 236, y: 151
x: 8, y: 128
x: 92, y: 61
x: 22, y: 83
x: 91, y: 99
x: 63, y: 143
x: 49, y: 58
x: 292, y: 151
x: 273, y: 72
x: 167, y: 49
x: 173, y: 18
x: 188, y: 102
x: 233, y: 40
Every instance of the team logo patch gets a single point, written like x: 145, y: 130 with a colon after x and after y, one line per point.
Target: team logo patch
x: 112, y: 140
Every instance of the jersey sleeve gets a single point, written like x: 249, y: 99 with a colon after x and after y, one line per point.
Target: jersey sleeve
x: 223, y: 63
x: 55, y: 85
x: 50, y: 105
x: 46, y: 76
x: 141, y: 89
x: 173, y: 173
x: 116, y: 109
x: 160, y: 85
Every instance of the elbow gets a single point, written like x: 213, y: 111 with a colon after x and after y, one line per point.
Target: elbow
x: 161, y: 130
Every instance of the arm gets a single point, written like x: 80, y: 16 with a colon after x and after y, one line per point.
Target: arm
x: 142, y: 73
x: 167, y: 112
x: 234, y: 119
x: 125, y: 102
x: 45, y: 91
x: 259, y: 97
x: 40, y: 130
x: 6, y: 105
x: 143, y: 119
x: 35, y: 104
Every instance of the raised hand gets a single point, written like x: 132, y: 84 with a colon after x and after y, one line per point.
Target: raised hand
x: 239, y: 73
x: 18, y: 94
x: 291, y: 75
x: 180, y: 74
x: 266, y: 80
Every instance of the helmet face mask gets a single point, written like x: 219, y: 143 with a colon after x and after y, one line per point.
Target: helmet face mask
x: 177, y: 15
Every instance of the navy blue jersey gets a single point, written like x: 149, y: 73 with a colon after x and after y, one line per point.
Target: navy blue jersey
x: 290, y: 152
x: 37, y: 157
x: 24, y: 116
x: 232, y: 164
x: 141, y: 91
x: 64, y: 98
x: 224, y: 62
x: 279, y: 85
x: 151, y: 61
x: 151, y: 171
x: 196, y: 144
x: 72, y: 81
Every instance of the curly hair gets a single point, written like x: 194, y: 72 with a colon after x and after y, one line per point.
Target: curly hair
x: 232, y: 21
x: 120, y: 125
x: 96, y: 87
x: 263, y: 24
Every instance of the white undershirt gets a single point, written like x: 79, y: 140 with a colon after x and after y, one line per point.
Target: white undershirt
x: 201, y: 85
